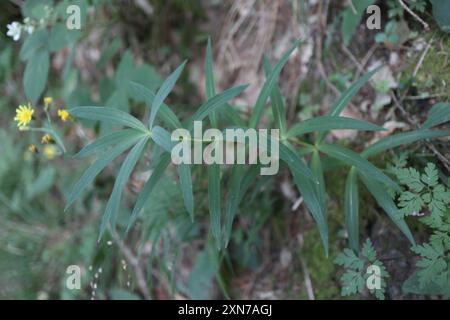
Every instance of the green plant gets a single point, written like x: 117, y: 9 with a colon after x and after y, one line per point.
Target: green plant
x: 422, y: 190
x: 309, y: 179
x: 351, y: 17
x: 389, y: 35
x: 165, y: 232
x: 357, y: 271
x: 46, y: 32
x: 424, y: 196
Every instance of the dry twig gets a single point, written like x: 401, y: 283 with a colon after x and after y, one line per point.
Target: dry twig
x: 415, y: 16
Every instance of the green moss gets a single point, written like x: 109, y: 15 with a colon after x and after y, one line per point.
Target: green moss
x: 433, y: 77
x: 322, y: 270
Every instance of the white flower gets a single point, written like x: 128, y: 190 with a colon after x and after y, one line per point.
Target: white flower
x: 28, y: 25
x: 29, y: 29
x: 14, y: 30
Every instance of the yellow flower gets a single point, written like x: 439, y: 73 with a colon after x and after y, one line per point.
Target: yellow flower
x: 24, y: 114
x: 48, y: 101
x: 32, y: 148
x: 49, y: 151
x: 46, y: 139
x: 63, y: 114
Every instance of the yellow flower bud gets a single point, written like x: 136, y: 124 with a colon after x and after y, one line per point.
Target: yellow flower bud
x: 46, y: 139
x: 48, y: 101
x: 32, y: 148
x: 64, y: 115
x: 49, y: 151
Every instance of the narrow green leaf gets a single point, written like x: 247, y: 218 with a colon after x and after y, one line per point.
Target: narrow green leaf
x: 308, y: 191
x: 345, y: 98
x: 108, y: 140
x: 162, y: 138
x: 385, y: 201
x: 96, y: 167
x: 240, y: 183
x: 233, y: 116
x: 276, y: 101
x: 348, y: 94
x: 209, y: 73
x: 295, y: 163
x: 184, y: 172
x: 325, y: 123
x: 352, y: 158
x: 214, y: 201
x: 351, y: 18
x: 143, y: 197
x: 164, y: 91
x: 217, y: 102
x: 209, y: 80
x: 439, y: 114
x: 112, y: 207
x: 316, y: 168
x: 352, y: 209
x: 268, y: 86
x: 107, y: 114
x: 165, y: 113
x: 235, y: 193
x: 402, y: 139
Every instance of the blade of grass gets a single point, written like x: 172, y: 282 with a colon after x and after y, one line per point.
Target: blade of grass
x: 96, y: 167
x: 234, y: 197
x: 233, y: 116
x: 165, y: 113
x: 184, y: 172
x: 108, y: 140
x: 348, y: 94
x: 214, y: 201
x: 295, y: 163
x: 439, y: 114
x: 217, y: 102
x: 385, y: 201
x: 345, y: 98
x: 209, y: 81
x: 402, y: 139
x: 163, y: 92
x: 162, y: 138
x: 112, y: 206
x: 151, y: 183
x: 312, y: 201
x: 214, y: 169
x: 107, y: 114
x: 354, y: 159
x: 316, y: 168
x: 276, y: 99
x: 352, y: 209
x: 268, y: 86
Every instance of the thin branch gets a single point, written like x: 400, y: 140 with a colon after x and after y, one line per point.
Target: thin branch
x: 425, y: 25
x: 308, y: 282
x: 422, y: 58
